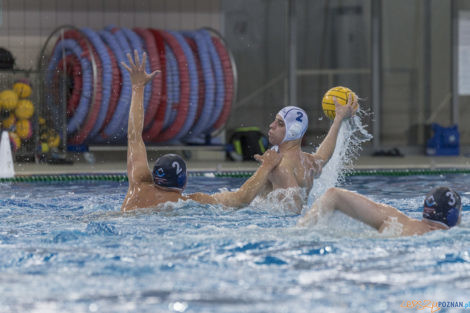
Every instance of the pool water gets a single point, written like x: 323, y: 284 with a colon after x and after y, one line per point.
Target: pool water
x: 67, y: 248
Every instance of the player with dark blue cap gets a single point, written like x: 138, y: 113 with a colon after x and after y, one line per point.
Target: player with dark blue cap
x: 167, y: 180
x: 442, y: 210
x: 444, y: 206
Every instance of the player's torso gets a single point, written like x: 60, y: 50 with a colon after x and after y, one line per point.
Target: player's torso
x: 298, y: 167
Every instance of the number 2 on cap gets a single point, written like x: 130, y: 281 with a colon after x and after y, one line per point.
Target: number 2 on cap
x: 177, y: 166
x: 299, y: 116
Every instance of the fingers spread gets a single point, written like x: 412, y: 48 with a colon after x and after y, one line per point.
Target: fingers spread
x: 125, y: 66
x: 154, y: 73
x: 136, y: 58
x: 131, y: 62
x: 144, y: 59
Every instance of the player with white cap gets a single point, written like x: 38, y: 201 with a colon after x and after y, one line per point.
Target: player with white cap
x: 298, y: 168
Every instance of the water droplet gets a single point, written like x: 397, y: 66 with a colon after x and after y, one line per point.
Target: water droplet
x: 178, y: 306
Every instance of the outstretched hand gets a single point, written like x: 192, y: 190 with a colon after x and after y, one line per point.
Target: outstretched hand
x: 270, y: 158
x: 137, y: 70
x: 347, y: 110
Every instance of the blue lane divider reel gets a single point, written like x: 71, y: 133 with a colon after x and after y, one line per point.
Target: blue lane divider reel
x: 445, y: 141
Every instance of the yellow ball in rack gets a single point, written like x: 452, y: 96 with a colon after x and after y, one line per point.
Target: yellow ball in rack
x: 14, y: 140
x: 24, y: 109
x: 341, y: 94
x: 24, y: 129
x: 22, y: 89
x: 9, y: 121
x: 54, y: 140
x: 8, y: 100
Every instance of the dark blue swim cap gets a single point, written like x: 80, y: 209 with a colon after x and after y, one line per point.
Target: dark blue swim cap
x: 169, y: 171
x: 443, y: 205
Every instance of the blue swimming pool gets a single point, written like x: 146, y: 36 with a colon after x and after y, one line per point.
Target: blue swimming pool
x: 64, y: 247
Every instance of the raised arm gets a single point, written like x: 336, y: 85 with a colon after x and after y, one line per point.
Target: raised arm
x: 248, y: 191
x: 354, y: 205
x: 137, y: 164
x: 327, y: 147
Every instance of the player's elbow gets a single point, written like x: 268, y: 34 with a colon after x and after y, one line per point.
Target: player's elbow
x: 132, y: 136
x: 323, y: 158
x: 332, y: 193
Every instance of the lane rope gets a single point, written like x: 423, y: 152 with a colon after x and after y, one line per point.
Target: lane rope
x: 234, y: 174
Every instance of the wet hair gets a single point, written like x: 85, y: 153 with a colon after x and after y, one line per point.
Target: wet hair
x: 169, y: 171
x: 443, y: 205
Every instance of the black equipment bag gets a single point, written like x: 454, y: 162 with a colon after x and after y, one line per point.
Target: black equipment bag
x: 246, y: 142
x: 6, y: 59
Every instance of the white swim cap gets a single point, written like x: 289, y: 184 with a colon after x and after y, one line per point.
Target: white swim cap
x: 296, y: 121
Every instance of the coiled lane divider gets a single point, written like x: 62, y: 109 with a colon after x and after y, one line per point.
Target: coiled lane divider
x: 106, y: 78
x: 219, y: 79
x: 152, y: 134
x: 110, y: 131
x: 154, y: 63
x: 189, y: 100
x: 207, y: 97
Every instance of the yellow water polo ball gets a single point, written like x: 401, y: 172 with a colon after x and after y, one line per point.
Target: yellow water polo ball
x: 8, y: 100
x: 15, y: 141
x: 9, y: 121
x: 53, y: 141
x: 43, y: 147
x: 24, y: 129
x: 341, y: 94
x: 24, y: 109
x: 22, y: 89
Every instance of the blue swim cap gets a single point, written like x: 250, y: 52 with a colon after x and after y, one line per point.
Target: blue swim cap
x: 296, y: 121
x: 442, y: 205
x: 169, y: 171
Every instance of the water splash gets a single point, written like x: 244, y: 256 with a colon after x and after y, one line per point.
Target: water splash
x: 351, y: 136
x: 283, y: 201
x: 393, y: 228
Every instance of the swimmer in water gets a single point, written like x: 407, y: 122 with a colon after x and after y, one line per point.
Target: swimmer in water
x: 442, y: 210
x: 298, y: 168
x: 168, y: 179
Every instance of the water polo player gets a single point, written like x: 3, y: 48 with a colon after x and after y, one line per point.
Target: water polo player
x: 442, y: 210
x: 298, y: 168
x: 168, y: 179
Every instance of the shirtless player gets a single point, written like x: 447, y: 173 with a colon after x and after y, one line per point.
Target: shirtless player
x: 298, y: 168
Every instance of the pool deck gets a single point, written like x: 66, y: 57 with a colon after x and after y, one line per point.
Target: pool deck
x: 363, y: 163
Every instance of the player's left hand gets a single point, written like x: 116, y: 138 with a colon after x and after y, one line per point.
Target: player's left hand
x: 137, y: 70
